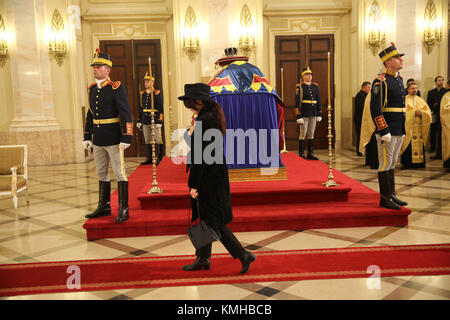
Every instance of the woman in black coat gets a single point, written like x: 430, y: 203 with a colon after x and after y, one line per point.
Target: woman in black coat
x: 208, y: 178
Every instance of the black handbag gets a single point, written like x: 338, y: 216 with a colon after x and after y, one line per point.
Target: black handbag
x: 201, y: 234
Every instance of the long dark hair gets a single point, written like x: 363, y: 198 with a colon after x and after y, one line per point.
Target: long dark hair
x: 217, y: 115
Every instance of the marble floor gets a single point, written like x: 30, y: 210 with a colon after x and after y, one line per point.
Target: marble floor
x: 50, y: 229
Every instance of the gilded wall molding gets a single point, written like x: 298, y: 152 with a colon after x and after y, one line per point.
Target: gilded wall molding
x: 308, y: 9
x: 128, y: 29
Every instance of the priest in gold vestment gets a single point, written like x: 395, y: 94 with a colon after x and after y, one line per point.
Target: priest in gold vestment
x: 445, y: 122
x: 417, y: 127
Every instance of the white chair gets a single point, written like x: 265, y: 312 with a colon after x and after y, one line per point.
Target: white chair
x: 14, y: 171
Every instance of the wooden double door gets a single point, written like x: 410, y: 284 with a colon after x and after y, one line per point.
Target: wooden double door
x: 293, y: 53
x: 130, y: 60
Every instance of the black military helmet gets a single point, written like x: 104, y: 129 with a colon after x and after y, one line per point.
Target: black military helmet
x: 389, y: 52
x: 101, y: 59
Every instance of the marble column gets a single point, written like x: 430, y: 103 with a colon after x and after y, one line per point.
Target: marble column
x: 34, y: 122
x: 30, y: 73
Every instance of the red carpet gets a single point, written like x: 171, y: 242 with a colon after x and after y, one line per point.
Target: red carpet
x: 301, y: 202
x: 110, y: 274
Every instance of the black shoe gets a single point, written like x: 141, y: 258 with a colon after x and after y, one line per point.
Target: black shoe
x: 389, y: 204
x: 123, y: 201
x: 199, y: 263
x: 359, y: 154
x: 398, y: 201
x: 311, y: 155
x: 246, y: 260
x: 104, y: 199
x: 393, y: 195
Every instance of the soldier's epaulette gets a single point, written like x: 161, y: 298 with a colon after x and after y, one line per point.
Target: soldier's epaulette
x: 156, y: 92
x: 298, y: 85
x: 315, y: 83
x: 141, y: 92
x: 114, y: 84
x: 92, y: 84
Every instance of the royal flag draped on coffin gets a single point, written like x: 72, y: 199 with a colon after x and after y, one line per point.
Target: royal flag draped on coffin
x: 254, y: 114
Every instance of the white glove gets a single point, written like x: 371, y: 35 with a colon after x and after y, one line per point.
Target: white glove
x: 158, y: 125
x: 387, y: 137
x: 139, y: 125
x: 300, y: 120
x: 123, y: 145
x: 319, y: 119
x: 87, y: 144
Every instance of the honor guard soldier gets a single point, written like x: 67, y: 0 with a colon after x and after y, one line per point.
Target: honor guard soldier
x: 108, y: 132
x: 387, y: 107
x: 145, y: 119
x: 309, y: 111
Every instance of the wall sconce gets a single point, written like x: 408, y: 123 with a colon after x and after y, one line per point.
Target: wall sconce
x: 246, y: 39
x: 57, y: 46
x: 3, y: 43
x: 432, y: 27
x: 191, y: 43
x: 376, y: 32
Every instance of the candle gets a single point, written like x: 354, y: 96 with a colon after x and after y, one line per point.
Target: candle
x: 329, y: 80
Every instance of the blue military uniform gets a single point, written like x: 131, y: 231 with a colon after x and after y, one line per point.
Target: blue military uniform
x: 309, y: 109
x: 387, y: 104
x: 307, y: 100
x: 109, y: 126
x: 145, y: 107
x: 387, y: 107
x: 145, y: 118
x: 108, y: 121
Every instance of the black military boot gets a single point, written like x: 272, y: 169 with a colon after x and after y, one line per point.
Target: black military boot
x: 311, y: 155
x: 385, y: 191
x: 104, y: 200
x: 393, y: 195
x: 148, y: 148
x: 199, y: 263
x: 301, y: 148
x: 123, y: 201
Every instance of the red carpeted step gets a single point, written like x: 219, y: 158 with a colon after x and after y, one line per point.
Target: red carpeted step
x: 304, y: 184
x: 282, y: 212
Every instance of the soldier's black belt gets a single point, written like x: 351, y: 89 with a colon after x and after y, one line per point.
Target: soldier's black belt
x: 394, y: 109
x: 106, y: 121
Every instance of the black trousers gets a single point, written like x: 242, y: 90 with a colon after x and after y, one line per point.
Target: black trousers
x: 436, y: 138
x: 229, y: 241
x: 358, y: 134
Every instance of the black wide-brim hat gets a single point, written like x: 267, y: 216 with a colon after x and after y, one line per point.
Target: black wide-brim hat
x: 199, y: 91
